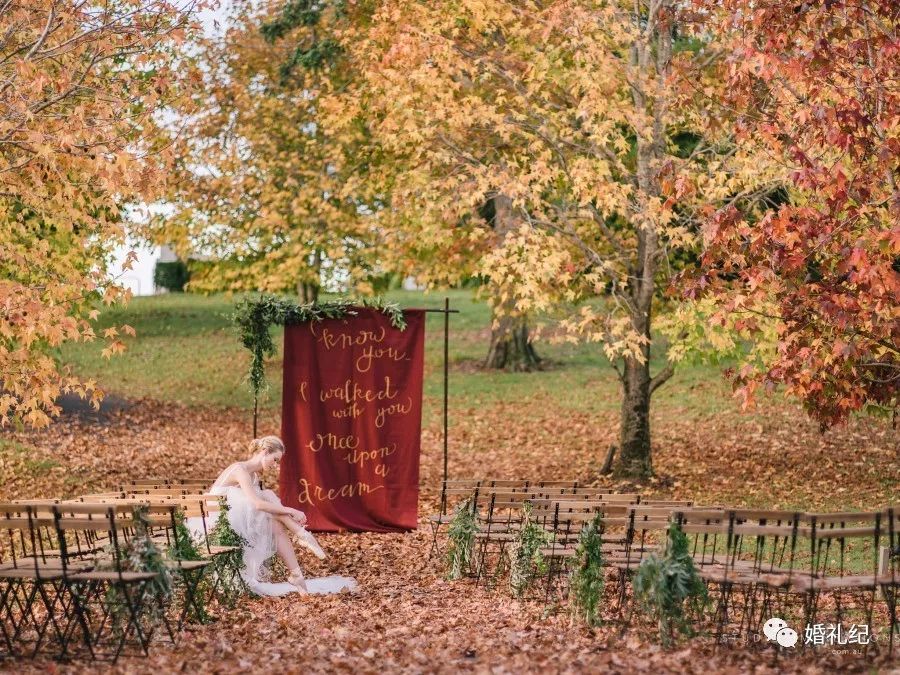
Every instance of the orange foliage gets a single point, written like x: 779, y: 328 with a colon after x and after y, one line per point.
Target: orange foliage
x: 80, y: 85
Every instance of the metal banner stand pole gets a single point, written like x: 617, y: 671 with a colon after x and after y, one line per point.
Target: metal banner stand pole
x: 446, y: 398
x: 447, y: 312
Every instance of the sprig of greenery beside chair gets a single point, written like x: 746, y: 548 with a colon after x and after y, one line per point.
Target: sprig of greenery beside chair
x: 461, y: 538
x: 666, y: 585
x: 586, y: 585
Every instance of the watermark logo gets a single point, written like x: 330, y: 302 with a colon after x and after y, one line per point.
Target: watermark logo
x: 817, y: 634
x: 834, y: 634
x: 777, y: 630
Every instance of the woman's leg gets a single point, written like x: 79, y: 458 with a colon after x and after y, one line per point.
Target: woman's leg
x: 303, y: 535
x: 286, y: 550
x: 290, y: 524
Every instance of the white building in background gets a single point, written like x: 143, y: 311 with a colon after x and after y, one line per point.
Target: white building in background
x: 166, y: 254
x: 139, y: 279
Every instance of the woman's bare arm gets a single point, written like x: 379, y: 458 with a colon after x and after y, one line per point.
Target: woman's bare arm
x: 246, y: 482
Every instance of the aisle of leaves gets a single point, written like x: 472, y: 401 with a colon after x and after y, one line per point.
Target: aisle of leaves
x: 407, y: 618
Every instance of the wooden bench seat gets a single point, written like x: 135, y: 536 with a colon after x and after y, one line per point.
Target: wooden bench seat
x: 112, y: 575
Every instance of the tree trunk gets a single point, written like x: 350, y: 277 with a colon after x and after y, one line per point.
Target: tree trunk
x: 510, y: 347
x: 634, y: 439
x: 648, y: 65
x: 307, y: 292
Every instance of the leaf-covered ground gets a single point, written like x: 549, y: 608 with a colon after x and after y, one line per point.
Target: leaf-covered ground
x: 407, y: 617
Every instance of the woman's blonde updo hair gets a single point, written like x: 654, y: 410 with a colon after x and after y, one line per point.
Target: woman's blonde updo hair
x: 268, y: 445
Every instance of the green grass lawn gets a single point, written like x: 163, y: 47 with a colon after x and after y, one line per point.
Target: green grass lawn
x: 187, y: 351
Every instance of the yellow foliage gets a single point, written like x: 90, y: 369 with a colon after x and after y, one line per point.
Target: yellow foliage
x: 586, y: 117
x: 270, y: 190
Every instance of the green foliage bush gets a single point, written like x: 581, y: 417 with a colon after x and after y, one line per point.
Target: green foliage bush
x: 171, y: 275
x: 525, y: 558
x: 461, y: 536
x: 139, y: 554
x: 230, y: 586
x: 184, y: 548
x: 668, y: 586
x: 586, y: 585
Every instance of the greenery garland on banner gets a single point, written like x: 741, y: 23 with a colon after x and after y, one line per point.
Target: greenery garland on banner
x: 231, y: 584
x: 256, y: 315
x: 461, y: 539
x: 525, y: 556
x: 668, y: 585
x: 587, y: 576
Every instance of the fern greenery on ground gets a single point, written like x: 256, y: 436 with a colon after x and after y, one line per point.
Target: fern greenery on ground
x: 525, y: 559
x: 461, y: 540
x: 668, y: 587
x: 586, y: 586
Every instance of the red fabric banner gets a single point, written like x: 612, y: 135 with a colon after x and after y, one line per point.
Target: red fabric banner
x: 351, y: 421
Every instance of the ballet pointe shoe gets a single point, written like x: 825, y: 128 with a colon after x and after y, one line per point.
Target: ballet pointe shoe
x: 304, y: 538
x: 296, y: 578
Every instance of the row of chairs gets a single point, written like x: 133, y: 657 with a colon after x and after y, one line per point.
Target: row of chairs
x: 69, y: 584
x: 801, y: 567
x: 513, y: 491
x: 755, y: 563
x: 500, y: 515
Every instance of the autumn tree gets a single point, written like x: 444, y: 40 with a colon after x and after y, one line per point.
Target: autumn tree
x: 817, y: 84
x: 326, y: 35
x: 80, y: 85
x: 585, y: 117
x: 511, y: 344
x: 260, y: 187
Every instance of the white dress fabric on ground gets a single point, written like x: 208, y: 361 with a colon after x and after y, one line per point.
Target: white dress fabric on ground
x: 255, y: 527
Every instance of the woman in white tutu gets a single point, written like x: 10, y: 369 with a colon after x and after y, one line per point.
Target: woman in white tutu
x: 267, y: 525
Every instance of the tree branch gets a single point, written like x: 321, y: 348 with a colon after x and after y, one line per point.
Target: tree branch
x: 662, y: 377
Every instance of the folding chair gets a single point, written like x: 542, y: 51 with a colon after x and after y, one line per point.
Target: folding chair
x: 667, y: 503
x: 227, y: 561
x: 498, y: 527
x: 591, y: 496
x: 645, y: 533
x: 505, y: 484
x: 463, y: 488
x: 109, y: 594
x: 32, y: 589
x: 850, y: 575
x: 562, y: 484
x: 176, y: 491
x: 745, y: 557
x: 164, y: 515
x: 551, y: 491
x: 169, y: 482
x: 889, y: 571
x: 564, y: 521
x: 459, y: 488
